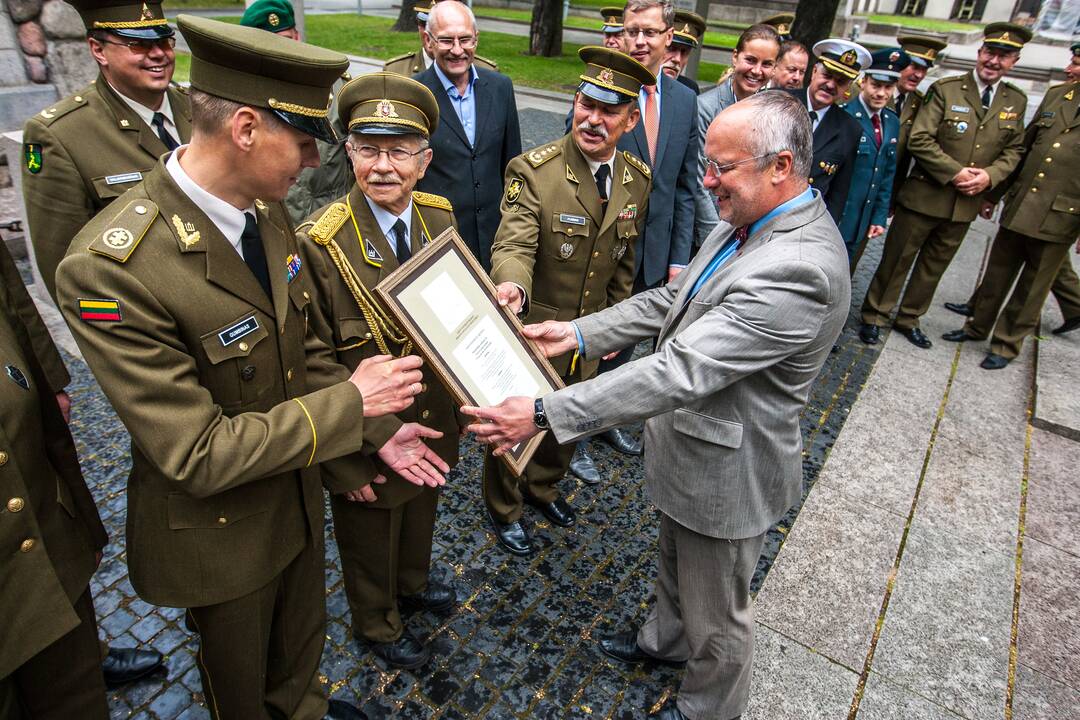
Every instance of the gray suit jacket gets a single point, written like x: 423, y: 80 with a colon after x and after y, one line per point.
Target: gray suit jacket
x: 710, y: 103
x: 723, y: 391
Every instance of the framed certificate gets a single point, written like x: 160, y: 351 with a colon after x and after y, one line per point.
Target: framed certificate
x: 447, y: 304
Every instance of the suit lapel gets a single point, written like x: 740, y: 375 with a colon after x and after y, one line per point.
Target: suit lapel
x: 641, y: 142
x: 666, y: 113
x: 577, y: 173
x: 277, y: 251
x: 371, y: 233
x: 1071, y: 107
x: 971, y: 95
x: 827, y: 128
x: 447, y: 115
x: 129, y: 121
x: 483, y: 101
x: 619, y: 195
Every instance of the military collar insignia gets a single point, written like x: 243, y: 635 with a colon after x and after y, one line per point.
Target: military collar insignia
x: 570, y: 175
x: 260, y: 205
x: 124, y: 123
x: 1069, y: 95
x: 372, y: 255
x: 626, y: 176
x: 185, y: 231
x: 513, y: 190
x: 16, y: 375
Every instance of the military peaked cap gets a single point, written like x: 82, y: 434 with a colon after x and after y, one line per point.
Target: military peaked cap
x: 385, y: 103
x: 143, y: 20
x: 612, y: 77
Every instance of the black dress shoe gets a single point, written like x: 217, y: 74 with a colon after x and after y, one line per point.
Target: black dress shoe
x: 869, y: 334
x: 558, y: 511
x: 124, y: 665
x: 916, y: 337
x: 670, y: 711
x: 621, y: 440
x: 582, y: 466
x: 438, y: 596
x: 512, y: 536
x: 960, y: 309
x: 624, y: 648
x: 340, y: 710
x: 993, y: 361
x: 957, y: 336
x: 1067, y: 326
x: 407, y: 652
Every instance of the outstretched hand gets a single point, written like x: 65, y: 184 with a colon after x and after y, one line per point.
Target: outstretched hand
x: 552, y: 337
x: 406, y: 454
x: 504, y: 425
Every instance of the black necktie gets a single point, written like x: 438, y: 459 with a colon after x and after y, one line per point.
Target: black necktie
x: 601, y: 176
x: 813, y: 118
x: 254, y: 254
x: 986, y: 97
x: 401, y: 241
x: 159, y: 123
x: 900, y: 102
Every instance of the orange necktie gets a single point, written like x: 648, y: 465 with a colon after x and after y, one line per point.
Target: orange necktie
x: 652, y: 120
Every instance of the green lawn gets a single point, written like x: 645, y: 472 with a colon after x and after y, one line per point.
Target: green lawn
x: 922, y: 23
x: 182, y: 72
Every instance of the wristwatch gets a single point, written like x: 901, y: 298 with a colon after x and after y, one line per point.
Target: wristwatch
x: 539, y: 416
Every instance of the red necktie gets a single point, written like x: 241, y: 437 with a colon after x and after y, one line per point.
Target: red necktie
x: 652, y: 121
x: 875, y: 120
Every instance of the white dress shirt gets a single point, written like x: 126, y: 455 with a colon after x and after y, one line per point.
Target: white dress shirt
x: 820, y: 113
x: 228, y: 219
x: 147, y: 115
x: 594, y: 165
x: 980, y: 86
x: 386, y: 220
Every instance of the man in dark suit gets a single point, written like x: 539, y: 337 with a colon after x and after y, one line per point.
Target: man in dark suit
x: 836, y: 134
x: 478, y: 133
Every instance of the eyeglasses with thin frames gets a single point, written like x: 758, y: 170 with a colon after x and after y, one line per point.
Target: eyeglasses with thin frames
x: 717, y: 169
x: 143, y: 46
x: 397, y: 155
x: 649, y: 33
x: 467, y: 42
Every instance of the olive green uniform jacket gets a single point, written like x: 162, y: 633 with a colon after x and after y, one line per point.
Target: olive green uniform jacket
x: 92, y: 148
x: 912, y: 103
x: 45, y: 351
x: 338, y: 320
x: 570, y: 256
x: 230, y: 397
x: 952, y: 131
x: 49, y: 526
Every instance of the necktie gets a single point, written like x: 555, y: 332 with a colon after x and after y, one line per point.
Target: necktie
x: 726, y: 251
x: 875, y: 120
x: 254, y: 254
x: 602, y: 173
x: 813, y: 120
x: 159, y: 124
x: 900, y: 102
x: 986, y: 97
x: 401, y: 242
x: 652, y: 120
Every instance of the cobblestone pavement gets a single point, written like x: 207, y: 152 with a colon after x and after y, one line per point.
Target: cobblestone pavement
x: 519, y: 644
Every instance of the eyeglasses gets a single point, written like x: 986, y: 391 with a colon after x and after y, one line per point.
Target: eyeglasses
x: 396, y: 155
x: 143, y: 46
x: 467, y: 42
x: 717, y: 169
x: 649, y: 33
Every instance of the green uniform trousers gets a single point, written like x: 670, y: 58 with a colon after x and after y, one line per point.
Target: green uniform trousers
x: 385, y: 553
x: 1036, y: 262
x: 259, y: 653
x: 926, y: 242
x: 1066, y: 290
x: 63, y: 681
x: 504, y: 492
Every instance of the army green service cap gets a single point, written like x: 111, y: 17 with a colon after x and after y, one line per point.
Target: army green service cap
x: 1006, y: 35
x: 385, y: 103
x: 270, y: 15
x: 292, y: 79
x: 782, y: 22
x: 612, y: 77
x: 689, y: 28
x: 144, y: 20
x: 923, y: 49
x: 612, y: 20
x: 422, y: 10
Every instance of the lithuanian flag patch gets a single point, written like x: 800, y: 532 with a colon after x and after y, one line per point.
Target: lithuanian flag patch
x: 99, y: 310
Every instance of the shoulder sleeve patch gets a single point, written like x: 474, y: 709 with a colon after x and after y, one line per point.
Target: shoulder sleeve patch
x: 431, y: 200
x: 329, y: 223
x: 491, y: 64
x: 125, y: 230
x: 639, y: 164
x: 539, y: 156
x: 62, y: 108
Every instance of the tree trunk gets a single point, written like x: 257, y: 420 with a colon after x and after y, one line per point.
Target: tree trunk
x: 813, y: 21
x: 545, y: 31
x: 406, y: 19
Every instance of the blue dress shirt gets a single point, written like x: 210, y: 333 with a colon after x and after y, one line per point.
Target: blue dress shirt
x: 464, y: 105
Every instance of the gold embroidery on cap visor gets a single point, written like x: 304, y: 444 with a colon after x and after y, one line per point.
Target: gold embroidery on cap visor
x: 840, y: 67
x: 1003, y: 39
x: 299, y: 109
x: 605, y: 78
x: 130, y: 25
x: 385, y: 112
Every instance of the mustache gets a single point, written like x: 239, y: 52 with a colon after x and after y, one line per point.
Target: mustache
x: 598, y: 129
x: 384, y: 178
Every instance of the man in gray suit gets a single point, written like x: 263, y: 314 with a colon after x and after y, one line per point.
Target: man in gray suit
x: 743, y: 332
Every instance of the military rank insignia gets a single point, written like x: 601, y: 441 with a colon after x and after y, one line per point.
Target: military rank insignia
x: 33, y: 157
x: 628, y: 213
x: 1069, y: 95
x: 292, y: 267
x: 17, y: 376
x: 513, y: 190
x: 99, y: 310
x: 372, y: 256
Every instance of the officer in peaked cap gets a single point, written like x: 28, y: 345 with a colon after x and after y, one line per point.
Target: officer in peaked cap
x: 383, y: 530
x: 197, y: 330
x: 689, y: 29
x: 924, y: 51
x: 782, y: 22
x: 274, y: 16
x: 612, y: 27
x: 571, y: 213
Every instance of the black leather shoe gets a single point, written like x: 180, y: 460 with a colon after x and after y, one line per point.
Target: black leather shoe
x: 438, y: 596
x: 339, y: 710
x: 670, y: 711
x: 993, y: 361
x: 582, y: 466
x: 558, y: 511
x: 957, y: 336
x: 621, y: 440
x: 407, y: 652
x: 124, y: 665
x: 960, y: 309
x: 624, y: 648
x: 869, y: 334
x: 916, y: 337
x: 512, y: 536
x: 1067, y: 326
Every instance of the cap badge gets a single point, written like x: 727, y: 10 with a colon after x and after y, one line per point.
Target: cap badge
x: 146, y: 14
x: 686, y: 28
x: 894, y: 56
x: 1005, y: 36
x: 849, y: 58
x: 385, y: 109
x: 930, y: 54
x: 273, y: 19
x: 612, y: 20
x: 606, y: 76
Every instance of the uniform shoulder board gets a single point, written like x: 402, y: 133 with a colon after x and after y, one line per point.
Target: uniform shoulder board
x: 399, y: 57
x: 324, y: 229
x: 639, y: 164
x: 490, y: 64
x: 125, y: 230
x: 346, y: 76
x: 1013, y: 87
x: 436, y: 201
x: 62, y: 107
x: 950, y: 79
x: 538, y: 156
x: 182, y: 89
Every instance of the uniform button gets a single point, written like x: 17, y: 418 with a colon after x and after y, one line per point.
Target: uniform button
x: 1034, y: 189
x: 426, y: 414
x: 591, y: 273
x: 140, y: 209
x: 15, y: 504
x: 1042, y: 175
x: 586, y: 293
x: 27, y: 545
x: 977, y: 146
x: 248, y: 372
x: 596, y: 254
x: 288, y: 375
x: 1049, y: 159
x: 78, y: 98
x: 982, y: 127
x: 306, y: 296
x: 1057, y: 145
x: 243, y: 347
x: 222, y: 520
x: 423, y: 387
x: 3, y: 457
x: 367, y: 336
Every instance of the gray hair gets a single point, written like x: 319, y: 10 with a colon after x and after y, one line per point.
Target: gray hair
x: 781, y: 122
x: 666, y: 7
x: 440, y: 8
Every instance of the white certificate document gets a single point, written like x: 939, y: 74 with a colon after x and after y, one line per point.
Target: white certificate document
x: 491, y: 364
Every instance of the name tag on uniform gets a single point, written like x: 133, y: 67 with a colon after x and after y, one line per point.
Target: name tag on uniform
x: 960, y: 108
x: 231, y: 334
x: 124, y: 178
x: 1047, y: 114
x: 572, y: 219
